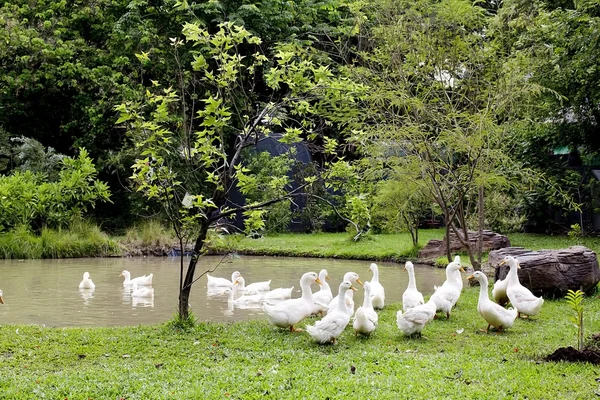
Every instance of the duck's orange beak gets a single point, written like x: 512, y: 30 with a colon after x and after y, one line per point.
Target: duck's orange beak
x: 1, y: 300
x: 326, y: 277
x: 470, y: 277
x: 461, y: 269
x: 353, y: 288
x: 319, y: 281
x: 502, y: 262
x: 359, y: 281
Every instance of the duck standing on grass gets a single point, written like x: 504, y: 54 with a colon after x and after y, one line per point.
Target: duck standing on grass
x: 349, y: 296
x: 447, y: 295
x: 333, y: 324
x: 414, y: 320
x: 365, y: 318
x: 411, y: 297
x: 377, y: 290
x: 289, y: 312
x: 495, y: 315
x: 519, y: 296
x: 324, y: 295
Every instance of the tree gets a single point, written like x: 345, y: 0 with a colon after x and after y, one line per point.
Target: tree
x: 440, y: 98
x: 191, y: 144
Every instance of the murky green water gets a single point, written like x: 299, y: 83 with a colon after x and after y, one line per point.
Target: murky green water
x: 47, y: 291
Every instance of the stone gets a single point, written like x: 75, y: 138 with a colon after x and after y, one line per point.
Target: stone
x: 550, y: 273
x: 437, y: 248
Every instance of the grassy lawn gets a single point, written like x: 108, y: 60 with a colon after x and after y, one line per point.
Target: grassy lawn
x: 253, y: 360
x: 374, y: 247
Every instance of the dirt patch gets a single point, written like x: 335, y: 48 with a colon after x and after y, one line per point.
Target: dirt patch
x: 571, y: 354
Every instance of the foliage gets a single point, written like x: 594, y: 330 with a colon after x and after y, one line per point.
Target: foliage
x: 575, y: 303
x: 191, y: 148
x: 28, y: 199
x: 440, y: 97
x: 149, y: 233
x: 503, y: 212
x: 252, y: 359
x: 81, y: 239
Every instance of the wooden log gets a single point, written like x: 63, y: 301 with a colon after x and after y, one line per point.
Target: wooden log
x: 550, y: 273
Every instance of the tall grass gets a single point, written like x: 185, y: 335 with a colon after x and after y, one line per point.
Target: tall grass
x: 150, y: 233
x: 81, y: 239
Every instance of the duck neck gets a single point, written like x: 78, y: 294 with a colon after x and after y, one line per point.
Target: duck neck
x: 241, y: 284
x: 513, y: 276
x: 450, y: 275
x: 483, y: 290
x: 375, y: 275
x: 324, y: 285
x: 306, y: 291
x: 411, y: 278
x: 367, y: 300
x: 342, y: 298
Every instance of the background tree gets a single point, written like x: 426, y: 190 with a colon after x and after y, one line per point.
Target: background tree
x: 441, y: 96
x: 191, y: 153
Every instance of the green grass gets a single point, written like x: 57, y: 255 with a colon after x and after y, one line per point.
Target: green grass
x: 330, y: 245
x: 253, y: 360
x: 82, y: 239
x: 395, y: 247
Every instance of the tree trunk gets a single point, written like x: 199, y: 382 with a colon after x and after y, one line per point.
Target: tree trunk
x: 186, y: 287
x: 481, y: 222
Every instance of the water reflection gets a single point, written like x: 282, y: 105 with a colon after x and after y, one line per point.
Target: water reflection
x: 86, y: 295
x: 46, y: 291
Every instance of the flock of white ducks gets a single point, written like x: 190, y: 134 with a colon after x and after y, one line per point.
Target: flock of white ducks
x: 337, y: 312
x: 140, y: 286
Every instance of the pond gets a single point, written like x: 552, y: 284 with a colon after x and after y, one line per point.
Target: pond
x: 47, y: 291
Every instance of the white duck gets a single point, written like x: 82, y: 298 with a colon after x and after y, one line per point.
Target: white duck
x: 333, y: 324
x: 411, y: 296
x: 495, y: 315
x: 240, y: 282
x: 86, y: 283
x: 145, y: 280
x: 289, y: 312
x: 447, y: 295
x: 141, y: 291
x: 519, y: 296
x: 349, y: 296
x: 414, y: 320
x: 499, y: 290
x: 324, y: 296
x: 1, y: 299
x: 218, y: 282
x: 253, y: 299
x: 278, y: 294
x: 365, y: 318
x: 377, y: 290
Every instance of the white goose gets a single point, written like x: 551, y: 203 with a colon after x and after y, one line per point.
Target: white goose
x: 86, y: 283
x: 495, y: 315
x: 218, y: 282
x: 349, y: 297
x: 324, y: 296
x: 240, y: 282
x: 411, y: 296
x: 377, y: 290
x: 414, y: 320
x: 1, y: 299
x: 519, y: 296
x: 333, y: 324
x: 145, y: 280
x: 289, y: 312
x: 365, y: 318
x: 141, y: 291
x: 447, y: 295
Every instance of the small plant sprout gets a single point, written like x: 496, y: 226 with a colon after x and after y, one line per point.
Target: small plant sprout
x: 575, y: 302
